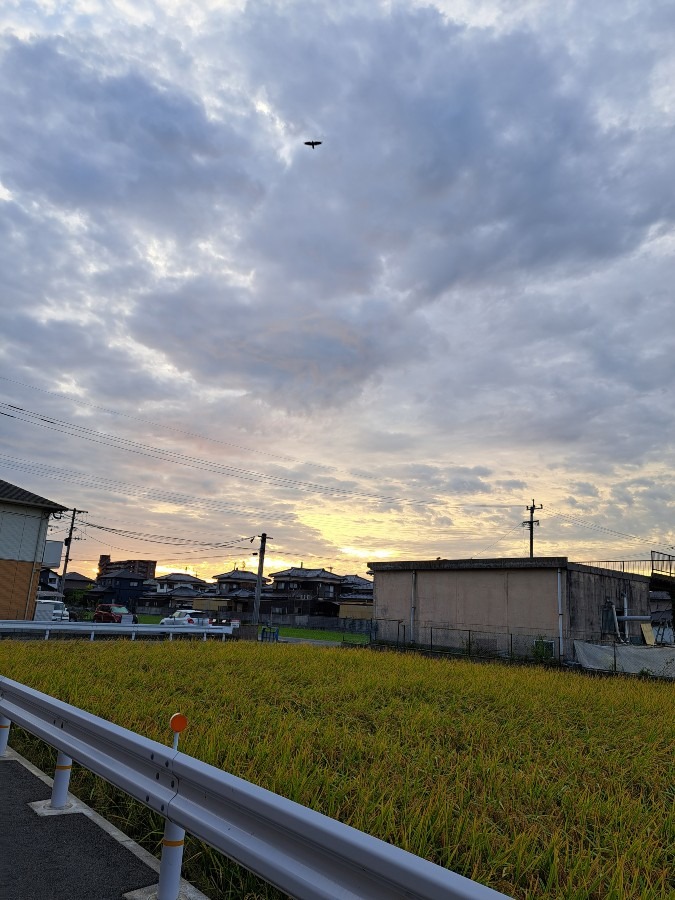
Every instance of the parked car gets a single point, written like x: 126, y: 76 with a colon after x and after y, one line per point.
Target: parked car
x: 112, y: 612
x: 187, y: 617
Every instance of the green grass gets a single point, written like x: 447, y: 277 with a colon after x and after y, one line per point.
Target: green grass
x: 316, y: 634
x: 540, y: 783
x: 149, y: 620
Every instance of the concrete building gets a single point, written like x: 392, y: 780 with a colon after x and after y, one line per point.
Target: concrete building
x: 24, y: 518
x: 545, y: 601
x: 144, y: 568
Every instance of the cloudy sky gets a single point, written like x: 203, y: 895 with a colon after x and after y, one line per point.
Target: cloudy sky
x: 381, y: 348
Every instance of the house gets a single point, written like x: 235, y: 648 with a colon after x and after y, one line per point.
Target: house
x: 514, y: 603
x: 77, y: 582
x: 237, y: 580
x: 176, y: 590
x: 167, y: 583
x: 235, y: 592
x: 49, y: 579
x: 24, y: 518
x: 77, y: 588
x: 356, y: 598
x: 121, y: 586
x: 301, y: 591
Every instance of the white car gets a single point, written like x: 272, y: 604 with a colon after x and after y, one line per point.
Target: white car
x: 187, y: 617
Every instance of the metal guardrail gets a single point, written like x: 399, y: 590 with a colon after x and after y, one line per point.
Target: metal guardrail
x: 302, y: 852
x: 10, y: 627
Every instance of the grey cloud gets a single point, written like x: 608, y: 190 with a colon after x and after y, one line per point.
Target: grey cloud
x: 474, y: 265
x: 291, y: 353
x: 117, y: 143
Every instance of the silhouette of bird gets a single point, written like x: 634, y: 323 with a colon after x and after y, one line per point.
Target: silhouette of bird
x: 313, y: 144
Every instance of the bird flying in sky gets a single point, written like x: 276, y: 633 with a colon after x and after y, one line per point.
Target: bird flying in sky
x: 313, y: 144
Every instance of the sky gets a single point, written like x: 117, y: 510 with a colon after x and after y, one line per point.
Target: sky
x: 386, y: 347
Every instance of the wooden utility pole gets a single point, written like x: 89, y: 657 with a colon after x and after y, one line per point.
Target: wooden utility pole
x: 530, y: 523
x: 68, y: 541
x: 259, y: 579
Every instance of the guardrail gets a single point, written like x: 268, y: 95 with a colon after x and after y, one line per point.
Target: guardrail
x: 10, y: 627
x: 300, y: 851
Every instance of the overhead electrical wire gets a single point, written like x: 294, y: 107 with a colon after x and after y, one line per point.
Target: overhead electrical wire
x: 130, y: 489
x: 203, y: 437
x: 33, y: 418
x: 284, y: 482
x: 592, y: 525
x: 117, y: 412
x: 166, y: 539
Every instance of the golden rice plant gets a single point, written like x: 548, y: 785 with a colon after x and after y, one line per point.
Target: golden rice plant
x: 537, y: 782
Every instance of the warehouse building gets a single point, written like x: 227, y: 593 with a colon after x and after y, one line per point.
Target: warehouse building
x: 543, y: 603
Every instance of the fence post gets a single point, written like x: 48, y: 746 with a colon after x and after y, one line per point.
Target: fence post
x: 511, y: 645
x: 4, y: 734
x: 431, y: 638
x: 469, y: 644
x: 64, y: 765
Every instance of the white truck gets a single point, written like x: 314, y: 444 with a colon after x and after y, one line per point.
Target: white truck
x: 51, y: 611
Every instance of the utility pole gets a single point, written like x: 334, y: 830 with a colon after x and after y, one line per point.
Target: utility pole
x: 530, y: 523
x: 68, y: 541
x: 259, y: 579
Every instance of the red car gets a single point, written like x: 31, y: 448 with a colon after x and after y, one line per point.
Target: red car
x: 111, y: 612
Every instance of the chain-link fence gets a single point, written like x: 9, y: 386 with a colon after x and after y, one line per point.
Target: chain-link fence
x: 471, y: 642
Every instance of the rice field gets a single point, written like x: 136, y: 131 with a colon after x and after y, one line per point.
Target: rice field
x: 536, y: 782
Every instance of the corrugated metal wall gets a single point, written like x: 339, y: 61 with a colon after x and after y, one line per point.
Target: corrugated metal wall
x: 20, y: 533
x: 22, y: 541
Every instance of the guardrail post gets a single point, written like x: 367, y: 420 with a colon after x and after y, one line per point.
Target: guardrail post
x: 174, y: 837
x: 171, y: 863
x: 4, y: 734
x: 64, y: 765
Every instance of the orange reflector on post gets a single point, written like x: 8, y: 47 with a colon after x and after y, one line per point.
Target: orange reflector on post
x: 178, y: 722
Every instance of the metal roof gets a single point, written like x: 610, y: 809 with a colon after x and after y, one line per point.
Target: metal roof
x: 10, y: 493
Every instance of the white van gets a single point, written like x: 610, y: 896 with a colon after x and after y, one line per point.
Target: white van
x: 57, y: 608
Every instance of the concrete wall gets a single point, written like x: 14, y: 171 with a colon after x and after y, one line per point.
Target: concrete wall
x: 498, y: 600
x: 355, y: 611
x: 502, y: 601
x: 587, y: 593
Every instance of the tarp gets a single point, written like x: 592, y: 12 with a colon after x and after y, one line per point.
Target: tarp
x: 626, y: 658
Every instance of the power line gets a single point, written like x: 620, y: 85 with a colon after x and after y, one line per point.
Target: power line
x: 32, y: 418
x: 79, y: 431
x: 117, y: 412
x: 584, y: 524
x: 165, y: 539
